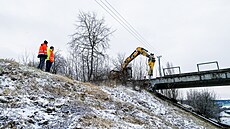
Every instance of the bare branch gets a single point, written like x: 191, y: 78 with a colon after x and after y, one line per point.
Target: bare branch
x: 91, y: 42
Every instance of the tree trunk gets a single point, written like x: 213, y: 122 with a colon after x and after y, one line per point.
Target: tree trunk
x: 91, y: 64
x: 83, y: 68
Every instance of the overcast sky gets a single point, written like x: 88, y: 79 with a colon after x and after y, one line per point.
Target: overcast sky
x: 184, y: 32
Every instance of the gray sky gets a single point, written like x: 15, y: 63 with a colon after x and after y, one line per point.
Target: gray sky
x: 184, y: 32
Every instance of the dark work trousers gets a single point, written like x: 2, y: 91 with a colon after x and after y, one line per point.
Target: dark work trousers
x: 48, y: 65
x: 41, y: 63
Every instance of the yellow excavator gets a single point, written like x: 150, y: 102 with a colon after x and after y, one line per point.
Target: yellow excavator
x: 126, y: 72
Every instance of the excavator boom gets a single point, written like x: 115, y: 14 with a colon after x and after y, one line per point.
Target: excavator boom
x: 127, y: 71
x: 137, y: 52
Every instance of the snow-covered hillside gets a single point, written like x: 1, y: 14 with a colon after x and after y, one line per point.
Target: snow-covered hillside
x: 30, y: 98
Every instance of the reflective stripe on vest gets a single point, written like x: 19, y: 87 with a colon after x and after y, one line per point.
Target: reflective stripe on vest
x: 43, y: 49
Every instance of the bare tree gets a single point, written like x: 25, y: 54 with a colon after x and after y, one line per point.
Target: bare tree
x: 59, y: 63
x: 203, y: 102
x: 101, y: 69
x: 139, y: 68
x: 169, y: 71
x: 24, y: 58
x: 66, y: 66
x: 28, y: 59
x: 117, y: 62
x: 91, y: 41
x: 32, y: 62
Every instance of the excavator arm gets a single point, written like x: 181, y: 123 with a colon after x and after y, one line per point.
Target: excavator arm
x: 137, y: 52
x: 126, y: 71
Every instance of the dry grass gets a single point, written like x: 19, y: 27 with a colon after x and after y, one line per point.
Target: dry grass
x: 12, y: 62
x: 109, y: 83
x: 7, y: 92
x: 63, y: 79
x: 60, y: 91
x: 98, y: 94
x: 134, y: 120
x: 7, y: 60
x: 95, y: 121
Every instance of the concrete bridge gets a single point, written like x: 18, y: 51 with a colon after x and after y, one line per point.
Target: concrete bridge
x: 219, y: 77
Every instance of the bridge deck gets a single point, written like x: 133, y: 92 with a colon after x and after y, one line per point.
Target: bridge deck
x: 219, y: 77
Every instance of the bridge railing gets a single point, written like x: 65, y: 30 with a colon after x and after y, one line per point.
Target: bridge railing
x: 177, y: 67
x: 198, y: 68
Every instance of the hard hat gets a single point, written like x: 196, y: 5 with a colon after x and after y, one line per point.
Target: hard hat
x: 51, y: 47
x: 45, y: 42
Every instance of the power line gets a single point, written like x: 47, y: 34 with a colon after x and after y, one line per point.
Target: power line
x: 119, y: 18
x: 129, y: 25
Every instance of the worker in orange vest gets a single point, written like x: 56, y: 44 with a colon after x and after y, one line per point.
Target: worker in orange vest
x: 50, y: 58
x: 42, y: 54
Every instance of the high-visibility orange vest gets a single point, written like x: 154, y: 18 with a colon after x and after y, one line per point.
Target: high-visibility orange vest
x: 50, y: 55
x: 42, y: 49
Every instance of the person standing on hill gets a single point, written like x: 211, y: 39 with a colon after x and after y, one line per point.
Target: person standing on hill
x: 42, y: 54
x: 50, y: 58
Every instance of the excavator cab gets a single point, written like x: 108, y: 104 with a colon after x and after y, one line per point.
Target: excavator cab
x: 128, y: 72
x: 121, y: 76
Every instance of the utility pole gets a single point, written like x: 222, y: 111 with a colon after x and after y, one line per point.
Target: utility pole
x: 159, y: 65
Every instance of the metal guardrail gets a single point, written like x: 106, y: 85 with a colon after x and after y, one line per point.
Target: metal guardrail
x: 198, y: 68
x: 171, y: 68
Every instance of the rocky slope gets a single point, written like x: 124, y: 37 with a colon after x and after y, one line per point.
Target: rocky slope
x: 30, y: 98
